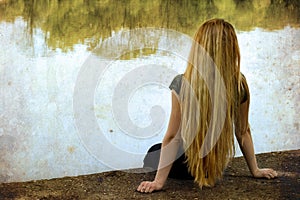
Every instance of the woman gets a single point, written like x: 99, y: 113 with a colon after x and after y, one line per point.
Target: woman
x: 210, y: 102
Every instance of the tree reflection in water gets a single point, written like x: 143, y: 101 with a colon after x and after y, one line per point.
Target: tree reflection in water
x: 66, y: 23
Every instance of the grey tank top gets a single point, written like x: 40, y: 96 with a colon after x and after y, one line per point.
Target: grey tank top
x: 176, y: 86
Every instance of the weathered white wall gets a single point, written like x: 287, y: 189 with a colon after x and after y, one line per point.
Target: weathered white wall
x: 38, y: 134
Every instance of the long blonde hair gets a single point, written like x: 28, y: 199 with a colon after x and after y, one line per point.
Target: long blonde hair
x: 207, y: 115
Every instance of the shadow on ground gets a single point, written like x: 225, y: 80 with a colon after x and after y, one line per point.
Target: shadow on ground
x: 236, y: 184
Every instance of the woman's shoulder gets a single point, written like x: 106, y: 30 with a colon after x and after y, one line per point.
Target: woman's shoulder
x: 244, y: 90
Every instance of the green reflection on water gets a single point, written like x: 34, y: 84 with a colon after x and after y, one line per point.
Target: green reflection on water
x: 70, y: 22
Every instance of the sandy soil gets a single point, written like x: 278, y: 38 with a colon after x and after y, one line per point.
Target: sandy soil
x: 236, y: 184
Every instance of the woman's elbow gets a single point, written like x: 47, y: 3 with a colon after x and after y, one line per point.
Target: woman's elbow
x: 171, y: 138
x: 243, y: 135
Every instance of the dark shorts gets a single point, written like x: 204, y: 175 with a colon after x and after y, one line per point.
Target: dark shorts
x: 179, y: 168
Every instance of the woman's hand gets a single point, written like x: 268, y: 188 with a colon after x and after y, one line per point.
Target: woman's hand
x: 265, y: 173
x: 148, y: 186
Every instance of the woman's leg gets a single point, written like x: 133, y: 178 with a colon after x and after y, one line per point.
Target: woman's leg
x: 179, y: 168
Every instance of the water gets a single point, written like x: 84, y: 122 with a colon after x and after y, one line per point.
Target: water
x: 47, y: 130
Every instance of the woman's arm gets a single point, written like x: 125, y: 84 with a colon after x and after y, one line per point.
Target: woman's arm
x: 243, y: 135
x: 169, y: 150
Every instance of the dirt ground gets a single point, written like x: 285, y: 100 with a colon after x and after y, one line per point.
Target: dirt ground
x: 236, y: 184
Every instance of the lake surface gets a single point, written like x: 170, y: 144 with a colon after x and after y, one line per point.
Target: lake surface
x: 84, y: 84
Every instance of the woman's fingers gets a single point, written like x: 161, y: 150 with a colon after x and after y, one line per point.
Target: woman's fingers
x: 271, y: 173
x: 141, y: 187
x: 270, y: 176
x: 148, y: 187
x: 266, y: 173
x: 145, y: 187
